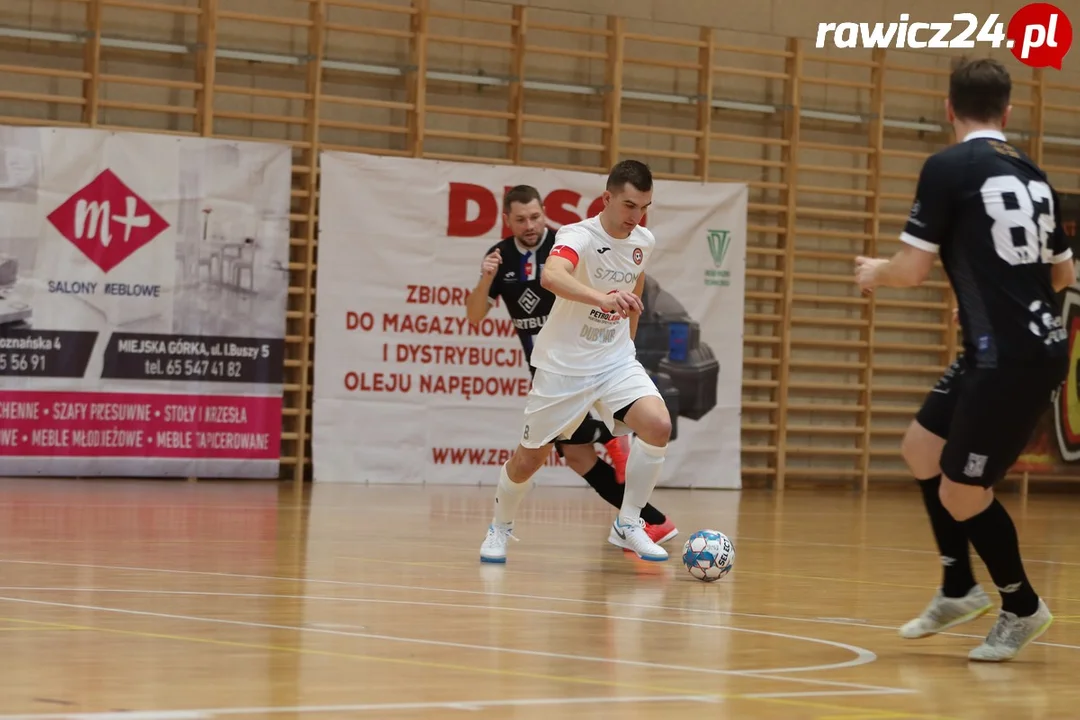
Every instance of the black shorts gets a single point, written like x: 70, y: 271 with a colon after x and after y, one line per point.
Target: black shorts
x: 987, y: 416
x: 936, y: 413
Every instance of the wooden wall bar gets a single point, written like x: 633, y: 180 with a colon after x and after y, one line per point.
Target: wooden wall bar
x: 830, y: 144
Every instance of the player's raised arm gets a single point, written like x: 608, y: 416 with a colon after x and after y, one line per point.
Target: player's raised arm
x: 558, y: 274
x: 479, y: 300
x: 558, y: 277
x: 1062, y: 271
x: 909, y: 267
x: 927, y: 226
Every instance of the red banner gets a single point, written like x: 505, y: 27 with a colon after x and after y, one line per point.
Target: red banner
x: 35, y: 423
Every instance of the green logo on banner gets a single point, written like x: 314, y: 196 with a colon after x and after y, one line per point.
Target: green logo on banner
x: 719, y: 242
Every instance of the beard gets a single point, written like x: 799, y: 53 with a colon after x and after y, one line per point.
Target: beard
x: 531, y: 240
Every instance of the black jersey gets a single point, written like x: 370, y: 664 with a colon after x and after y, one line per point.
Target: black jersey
x: 990, y: 212
x: 517, y: 282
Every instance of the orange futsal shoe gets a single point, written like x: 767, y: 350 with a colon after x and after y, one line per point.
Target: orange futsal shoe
x: 661, y: 533
x: 619, y: 450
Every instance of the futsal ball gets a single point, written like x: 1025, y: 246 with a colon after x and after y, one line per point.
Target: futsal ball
x: 708, y: 555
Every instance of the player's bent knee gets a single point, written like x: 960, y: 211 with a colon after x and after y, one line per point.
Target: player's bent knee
x: 650, y: 420
x: 964, y: 501
x: 526, y: 461
x: 921, y: 450
x: 659, y: 431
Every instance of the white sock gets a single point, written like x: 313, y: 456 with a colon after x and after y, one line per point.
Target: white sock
x: 508, y: 497
x: 643, y: 468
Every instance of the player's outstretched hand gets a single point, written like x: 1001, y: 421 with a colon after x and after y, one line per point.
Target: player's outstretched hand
x: 491, y: 263
x: 866, y: 273
x: 622, y: 302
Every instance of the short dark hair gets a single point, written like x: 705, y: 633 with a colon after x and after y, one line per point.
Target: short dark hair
x: 979, y: 90
x: 523, y: 194
x: 634, y: 172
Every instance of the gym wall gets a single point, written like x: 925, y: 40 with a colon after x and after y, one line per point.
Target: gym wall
x: 829, y: 140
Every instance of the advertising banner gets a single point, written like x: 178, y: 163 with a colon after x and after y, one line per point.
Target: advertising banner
x: 407, y: 390
x: 143, y: 288
x: 1054, y: 448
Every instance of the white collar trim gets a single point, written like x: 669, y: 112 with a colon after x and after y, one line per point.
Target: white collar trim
x: 992, y: 134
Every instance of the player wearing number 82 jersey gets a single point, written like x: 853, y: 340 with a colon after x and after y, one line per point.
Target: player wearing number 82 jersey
x: 989, y: 212
x: 996, y: 222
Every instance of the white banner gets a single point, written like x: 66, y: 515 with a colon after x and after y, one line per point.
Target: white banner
x: 407, y: 391
x: 143, y: 289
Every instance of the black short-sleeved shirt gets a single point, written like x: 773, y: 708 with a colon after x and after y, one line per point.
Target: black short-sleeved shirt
x: 991, y: 213
x: 517, y: 282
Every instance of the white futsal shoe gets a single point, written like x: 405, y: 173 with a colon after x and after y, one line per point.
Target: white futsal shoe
x: 493, y: 550
x: 1011, y: 633
x: 630, y: 535
x: 943, y: 613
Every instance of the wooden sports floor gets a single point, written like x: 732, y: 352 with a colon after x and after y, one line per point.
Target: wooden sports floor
x: 149, y: 600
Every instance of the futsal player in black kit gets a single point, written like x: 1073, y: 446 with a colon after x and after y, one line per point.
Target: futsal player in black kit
x: 992, y: 216
x: 511, y: 271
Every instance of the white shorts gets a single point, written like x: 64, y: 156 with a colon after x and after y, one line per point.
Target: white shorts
x: 557, y: 404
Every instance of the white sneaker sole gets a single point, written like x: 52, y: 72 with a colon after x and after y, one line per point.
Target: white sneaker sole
x: 662, y: 540
x: 973, y: 615
x: 1034, y: 636
x: 620, y: 543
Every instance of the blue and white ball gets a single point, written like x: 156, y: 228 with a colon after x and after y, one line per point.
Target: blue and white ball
x: 708, y: 555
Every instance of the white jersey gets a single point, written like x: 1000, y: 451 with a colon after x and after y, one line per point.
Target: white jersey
x: 580, y: 339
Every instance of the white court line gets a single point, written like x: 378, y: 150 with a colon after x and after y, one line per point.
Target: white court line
x: 120, y: 715
x: 752, y: 538
x: 760, y: 674
x: 429, y: 589
x: 825, y: 693
x: 478, y: 514
x: 880, y: 548
x: 547, y: 598
x: 473, y: 705
x: 765, y: 673
x: 862, y: 655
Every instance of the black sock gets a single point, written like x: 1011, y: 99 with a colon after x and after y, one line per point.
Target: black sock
x: 602, y: 479
x: 952, y: 542
x: 993, y: 535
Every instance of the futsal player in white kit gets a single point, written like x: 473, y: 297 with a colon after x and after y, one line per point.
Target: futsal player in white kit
x: 585, y: 358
